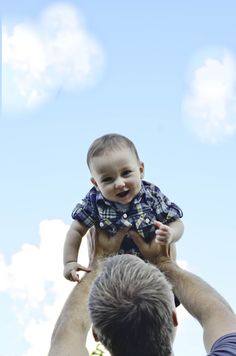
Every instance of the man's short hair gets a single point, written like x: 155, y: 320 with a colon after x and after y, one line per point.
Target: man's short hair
x: 131, y: 306
x: 107, y: 143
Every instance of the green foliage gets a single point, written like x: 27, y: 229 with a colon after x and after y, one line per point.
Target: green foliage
x: 99, y: 350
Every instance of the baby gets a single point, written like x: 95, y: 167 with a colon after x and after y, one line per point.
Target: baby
x: 120, y: 199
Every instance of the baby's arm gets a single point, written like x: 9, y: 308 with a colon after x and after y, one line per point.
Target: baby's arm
x: 171, y: 232
x: 71, y: 249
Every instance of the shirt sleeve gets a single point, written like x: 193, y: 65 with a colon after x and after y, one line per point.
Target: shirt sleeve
x: 224, y: 346
x: 166, y: 210
x: 86, y: 212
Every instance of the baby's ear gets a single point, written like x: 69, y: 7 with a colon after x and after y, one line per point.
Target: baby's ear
x: 141, y: 169
x: 94, y: 183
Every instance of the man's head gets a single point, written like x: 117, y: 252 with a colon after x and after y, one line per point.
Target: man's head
x: 115, y: 168
x: 132, y: 309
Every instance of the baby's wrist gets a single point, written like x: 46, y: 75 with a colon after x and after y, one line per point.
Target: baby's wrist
x: 69, y: 262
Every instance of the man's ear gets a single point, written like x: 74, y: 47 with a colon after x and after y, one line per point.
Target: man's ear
x: 95, y: 335
x: 174, y: 318
x: 94, y: 183
x: 141, y: 169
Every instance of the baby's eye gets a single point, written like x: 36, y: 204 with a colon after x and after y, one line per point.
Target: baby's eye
x: 126, y: 172
x: 107, y: 180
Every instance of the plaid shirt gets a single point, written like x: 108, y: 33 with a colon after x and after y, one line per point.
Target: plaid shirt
x: 150, y: 204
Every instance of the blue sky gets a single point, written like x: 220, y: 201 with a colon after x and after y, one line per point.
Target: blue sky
x: 160, y: 72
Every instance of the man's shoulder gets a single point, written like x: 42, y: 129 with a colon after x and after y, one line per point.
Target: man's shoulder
x: 224, y: 346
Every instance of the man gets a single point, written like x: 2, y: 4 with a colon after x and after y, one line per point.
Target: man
x: 71, y: 329
x: 132, y: 308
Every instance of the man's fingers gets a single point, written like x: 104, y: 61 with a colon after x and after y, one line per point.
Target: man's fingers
x: 166, y: 250
x: 117, y: 239
x: 119, y: 236
x: 138, y: 240
x: 121, y: 233
x: 172, y: 251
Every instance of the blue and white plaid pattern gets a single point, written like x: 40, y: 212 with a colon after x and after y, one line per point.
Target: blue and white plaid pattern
x: 150, y: 204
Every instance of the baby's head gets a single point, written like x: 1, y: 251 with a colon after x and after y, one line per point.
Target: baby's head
x: 109, y: 143
x: 115, y: 167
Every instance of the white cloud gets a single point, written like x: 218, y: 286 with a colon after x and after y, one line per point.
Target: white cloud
x: 35, y: 282
x: 41, y: 58
x: 209, y: 109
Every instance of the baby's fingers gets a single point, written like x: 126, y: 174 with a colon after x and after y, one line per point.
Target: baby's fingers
x: 82, y: 268
x: 74, y: 277
x: 162, y: 240
x: 74, y: 273
x: 159, y: 224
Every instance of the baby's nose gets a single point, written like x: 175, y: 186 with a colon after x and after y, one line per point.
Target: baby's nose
x: 119, y: 183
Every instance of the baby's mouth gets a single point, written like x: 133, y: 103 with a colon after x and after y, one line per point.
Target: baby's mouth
x: 123, y: 194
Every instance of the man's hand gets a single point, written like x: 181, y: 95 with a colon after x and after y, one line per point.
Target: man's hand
x: 154, y: 252
x: 71, y: 269
x: 100, y: 244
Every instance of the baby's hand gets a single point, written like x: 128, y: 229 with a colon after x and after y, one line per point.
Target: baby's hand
x: 164, y: 233
x: 71, y: 269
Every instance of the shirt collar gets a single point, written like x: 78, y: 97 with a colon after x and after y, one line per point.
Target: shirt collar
x: 100, y: 199
x: 139, y: 196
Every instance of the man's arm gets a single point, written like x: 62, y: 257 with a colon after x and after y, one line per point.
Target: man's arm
x: 202, y: 301
x: 199, y: 298
x: 71, y: 329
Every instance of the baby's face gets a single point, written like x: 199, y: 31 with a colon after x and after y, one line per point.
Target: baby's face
x: 117, y: 174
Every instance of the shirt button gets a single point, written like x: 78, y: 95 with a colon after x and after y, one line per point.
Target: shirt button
x: 125, y: 215
x: 101, y: 224
x: 147, y: 221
